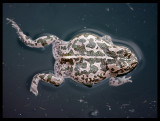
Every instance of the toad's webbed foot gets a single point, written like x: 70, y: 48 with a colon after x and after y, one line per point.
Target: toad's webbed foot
x: 49, y: 78
x: 119, y: 81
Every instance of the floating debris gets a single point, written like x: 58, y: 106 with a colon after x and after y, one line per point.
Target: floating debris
x: 154, y: 101
x: 20, y: 114
x: 123, y: 106
x: 81, y: 100
x: 153, y: 105
x: 130, y: 7
x: 145, y: 101
x: 109, y: 107
x: 131, y: 110
x: 107, y: 9
x: 42, y: 108
x: 94, y: 113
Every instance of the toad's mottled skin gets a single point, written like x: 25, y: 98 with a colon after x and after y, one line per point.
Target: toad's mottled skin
x: 87, y: 59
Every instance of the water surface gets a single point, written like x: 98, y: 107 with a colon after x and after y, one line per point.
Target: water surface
x: 132, y: 23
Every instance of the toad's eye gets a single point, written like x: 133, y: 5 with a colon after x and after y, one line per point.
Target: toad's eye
x: 127, y: 55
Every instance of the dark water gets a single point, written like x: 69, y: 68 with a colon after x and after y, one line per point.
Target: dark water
x: 136, y: 23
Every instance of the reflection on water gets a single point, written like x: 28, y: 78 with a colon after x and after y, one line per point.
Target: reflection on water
x: 136, y: 23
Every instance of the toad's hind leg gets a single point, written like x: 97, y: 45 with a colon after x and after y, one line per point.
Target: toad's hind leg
x: 49, y: 78
x: 40, y: 42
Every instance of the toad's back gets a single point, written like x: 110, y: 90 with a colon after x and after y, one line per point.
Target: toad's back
x: 88, y: 58
x: 86, y: 44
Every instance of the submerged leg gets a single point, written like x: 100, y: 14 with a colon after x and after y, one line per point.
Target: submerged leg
x: 119, y: 81
x: 49, y: 78
x: 38, y: 43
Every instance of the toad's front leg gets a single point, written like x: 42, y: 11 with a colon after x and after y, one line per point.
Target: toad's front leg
x: 49, y: 78
x: 119, y: 81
